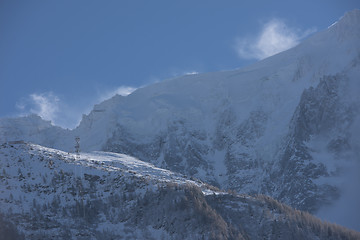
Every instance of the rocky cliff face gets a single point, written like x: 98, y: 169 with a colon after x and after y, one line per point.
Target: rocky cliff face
x: 229, y: 156
x: 322, y: 115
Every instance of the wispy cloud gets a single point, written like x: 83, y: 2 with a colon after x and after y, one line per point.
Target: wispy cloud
x: 122, y: 90
x: 61, y: 113
x: 50, y: 107
x: 46, y: 105
x: 191, y: 73
x: 274, y: 37
x: 174, y: 73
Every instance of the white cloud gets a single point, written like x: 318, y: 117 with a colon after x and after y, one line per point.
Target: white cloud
x: 274, y: 37
x: 191, y: 73
x: 175, y: 73
x: 46, y: 105
x: 61, y: 113
x: 49, y: 107
x: 122, y: 90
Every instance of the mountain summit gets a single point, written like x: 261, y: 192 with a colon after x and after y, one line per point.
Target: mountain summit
x: 285, y: 126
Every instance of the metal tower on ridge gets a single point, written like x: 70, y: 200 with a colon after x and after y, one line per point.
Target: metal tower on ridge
x: 77, y: 147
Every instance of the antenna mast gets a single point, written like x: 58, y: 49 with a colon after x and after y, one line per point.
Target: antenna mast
x: 77, y: 147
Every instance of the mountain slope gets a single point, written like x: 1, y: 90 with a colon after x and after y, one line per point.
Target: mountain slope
x: 247, y: 128
x: 47, y: 193
x: 286, y: 126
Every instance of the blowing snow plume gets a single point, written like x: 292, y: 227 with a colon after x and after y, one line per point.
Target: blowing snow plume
x: 274, y: 37
x: 46, y: 105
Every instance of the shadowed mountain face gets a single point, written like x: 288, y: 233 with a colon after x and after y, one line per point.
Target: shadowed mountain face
x: 286, y: 126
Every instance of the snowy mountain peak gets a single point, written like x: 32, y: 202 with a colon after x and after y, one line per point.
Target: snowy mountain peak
x: 351, y: 18
x: 348, y: 26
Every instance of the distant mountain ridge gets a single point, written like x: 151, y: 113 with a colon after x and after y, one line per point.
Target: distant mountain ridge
x: 285, y: 126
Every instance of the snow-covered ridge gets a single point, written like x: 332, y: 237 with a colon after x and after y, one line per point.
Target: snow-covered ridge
x: 103, y: 161
x: 47, y: 193
x: 94, y: 163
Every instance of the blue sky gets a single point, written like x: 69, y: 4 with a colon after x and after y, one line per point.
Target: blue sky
x: 58, y: 58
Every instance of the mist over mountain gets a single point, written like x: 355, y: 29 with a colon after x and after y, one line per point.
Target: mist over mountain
x: 286, y: 127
